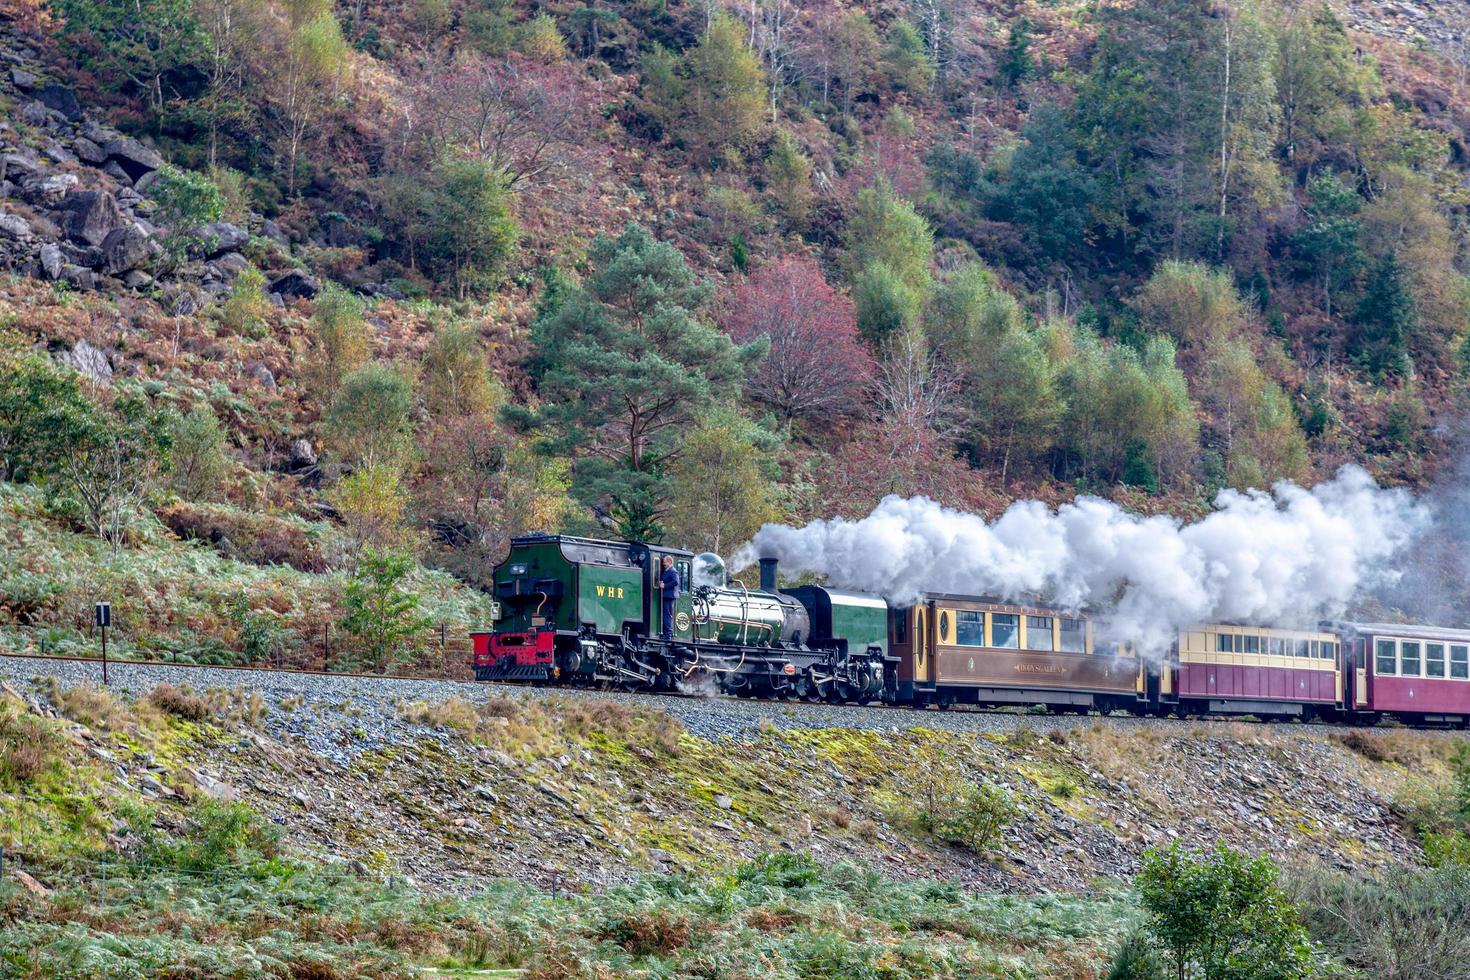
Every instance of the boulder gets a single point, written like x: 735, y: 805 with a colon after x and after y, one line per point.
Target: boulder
x: 90, y: 216
x: 89, y: 360
x: 133, y: 157
x: 301, y: 455
x: 34, y: 113
x: 295, y: 285
x: 60, y: 99
x: 88, y: 152
x: 269, y: 229
x: 145, y: 182
x: 220, y: 237
x: 48, y: 189
x: 79, y: 276
x: 58, y: 153
x: 51, y: 261
x: 18, y: 164
x: 263, y: 376
x: 22, y: 79
x: 228, y: 266
x: 125, y: 249
x: 137, y: 279
x: 14, y: 226
x: 183, y: 301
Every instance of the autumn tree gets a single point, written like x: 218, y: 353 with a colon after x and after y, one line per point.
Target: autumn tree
x: 721, y: 492
x: 152, y: 46
x: 713, y: 97
x: 625, y: 366
x: 789, y: 180
x: 340, y: 339
x: 523, y: 118
x: 905, y: 61
x: 456, y: 380
x: 383, y: 615
x: 303, y: 65
x: 457, y: 219
x: 1252, y: 424
x: 370, y: 419
x: 889, y: 250
x: 817, y: 369
x: 372, y: 504
x: 1319, y: 83
x: 199, y: 459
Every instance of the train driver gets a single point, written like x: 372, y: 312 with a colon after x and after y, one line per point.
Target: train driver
x: 668, y: 584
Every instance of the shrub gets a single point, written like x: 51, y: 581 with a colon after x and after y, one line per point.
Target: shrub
x: 246, y: 309
x: 780, y: 870
x: 198, y: 461
x: 219, y: 836
x: 369, y: 419
x: 1403, y: 924
x: 342, y: 341
x: 1221, y: 915
x: 27, y: 746
x: 179, y: 702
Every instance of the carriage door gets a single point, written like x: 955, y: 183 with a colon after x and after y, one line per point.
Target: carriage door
x: 923, y: 646
x: 1359, y: 658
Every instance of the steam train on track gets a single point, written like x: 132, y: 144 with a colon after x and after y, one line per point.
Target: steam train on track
x: 577, y: 611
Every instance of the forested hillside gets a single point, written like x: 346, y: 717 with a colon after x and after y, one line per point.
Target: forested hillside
x: 343, y: 287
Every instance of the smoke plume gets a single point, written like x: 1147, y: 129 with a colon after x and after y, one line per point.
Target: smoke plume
x: 1289, y: 557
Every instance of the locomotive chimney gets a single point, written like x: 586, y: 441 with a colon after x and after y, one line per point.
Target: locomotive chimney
x: 768, y: 574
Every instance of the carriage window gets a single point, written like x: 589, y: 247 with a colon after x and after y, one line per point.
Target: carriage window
x: 1038, y: 632
x: 1005, y: 631
x: 901, y: 627
x: 1223, y: 643
x: 1074, y: 636
x: 1387, y: 658
x: 1459, y: 661
x: 1409, y: 658
x: 1315, y: 648
x: 1252, y: 644
x: 1434, y: 660
x: 969, y: 628
x: 1305, y: 648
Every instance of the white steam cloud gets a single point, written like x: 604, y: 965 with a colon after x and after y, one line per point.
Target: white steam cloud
x: 1289, y: 557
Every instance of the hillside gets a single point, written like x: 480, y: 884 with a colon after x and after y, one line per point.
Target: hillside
x: 252, y: 800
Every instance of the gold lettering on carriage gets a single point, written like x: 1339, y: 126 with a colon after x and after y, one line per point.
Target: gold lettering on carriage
x: 1025, y: 668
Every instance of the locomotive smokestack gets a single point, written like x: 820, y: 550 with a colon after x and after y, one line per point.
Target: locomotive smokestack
x: 768, y: 574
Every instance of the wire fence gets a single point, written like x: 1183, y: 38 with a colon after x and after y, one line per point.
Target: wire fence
x: 440, y: 651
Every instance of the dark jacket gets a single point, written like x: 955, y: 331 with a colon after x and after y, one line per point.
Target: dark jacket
x: 669, y: 580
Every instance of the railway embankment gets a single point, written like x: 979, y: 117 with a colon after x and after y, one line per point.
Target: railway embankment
x: 451, y: 785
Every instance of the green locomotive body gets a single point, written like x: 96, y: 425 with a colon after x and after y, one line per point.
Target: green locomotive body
x: 581, y: 611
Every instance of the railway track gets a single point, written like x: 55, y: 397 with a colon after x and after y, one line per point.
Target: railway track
x: 714, y: 715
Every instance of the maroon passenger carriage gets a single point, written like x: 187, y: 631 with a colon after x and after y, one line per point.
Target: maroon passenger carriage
x: 1413, y: 673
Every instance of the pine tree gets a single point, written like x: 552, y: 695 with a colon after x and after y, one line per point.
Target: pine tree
x: 1017, y: 64
x: 626, y: 366
x: 1386, y: 318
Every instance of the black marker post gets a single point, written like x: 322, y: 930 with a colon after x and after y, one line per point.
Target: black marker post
x: 103, y: 614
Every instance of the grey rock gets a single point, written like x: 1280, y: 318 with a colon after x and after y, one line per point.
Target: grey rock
x: 34, y: 113
x: 145, y: 183
x: 19, y: 163
x: 14, y: 226
x: 183, y: 301
x: 117, y: 173
x: 21, y: 78
x: 302, y: 455
x: 89, y: 360
x: 220, y: 237
x: 50, y: 188
x: 59, y: 153
x: 137, y: 279
x: 125, y: 249
x: 269, y: 229
x: 51, y: 261
x: 88, y: 151
x: 133, y: 157
x: 90, y: 216
x: 226, y: 267
x: 295, y: 285
x: 262, y: 375
x: 60, y: 99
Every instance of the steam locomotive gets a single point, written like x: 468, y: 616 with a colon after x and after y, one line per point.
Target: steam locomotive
x: 583, y: 612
